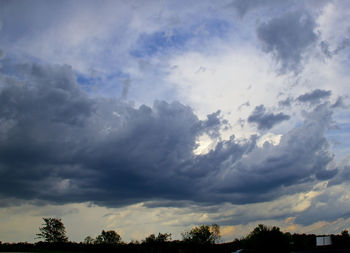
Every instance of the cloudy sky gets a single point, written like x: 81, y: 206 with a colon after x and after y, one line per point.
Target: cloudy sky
x: 156, y: 116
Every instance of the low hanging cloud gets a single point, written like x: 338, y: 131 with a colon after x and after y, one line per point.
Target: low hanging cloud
x: 265, y: 120
x: 59, y: 145
x: 287, y: 37
x: 315, y: 96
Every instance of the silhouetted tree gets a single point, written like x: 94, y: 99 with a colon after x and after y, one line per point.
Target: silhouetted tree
x: 267, y: 239
x: 89, y: 240
x: 108, y: 237
x: 345, y: 234
x: 303, y: 241
x: 161, y: 238
x: 342, y: 240
x: 150, y: 239
x: 203, y: 234
x: 53, y: 230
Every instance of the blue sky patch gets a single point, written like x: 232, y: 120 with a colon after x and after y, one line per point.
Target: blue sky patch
x: 176, y: 39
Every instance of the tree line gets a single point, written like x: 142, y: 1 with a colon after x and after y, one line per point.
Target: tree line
x: 54, y: 231
x: 203, y: 238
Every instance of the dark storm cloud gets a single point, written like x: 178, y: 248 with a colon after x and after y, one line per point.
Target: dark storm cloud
x: 60, y: 145
x: 341, y: 177
x: 265, y: 120
x: 287, y: 37
x: 300, y: 158
x: 315, y: 96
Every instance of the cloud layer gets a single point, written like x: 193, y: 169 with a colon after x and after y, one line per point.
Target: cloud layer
x: 234, y: 112
x: 60, y: 145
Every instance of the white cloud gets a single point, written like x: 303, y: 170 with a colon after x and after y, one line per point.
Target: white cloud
x: 225, y: 78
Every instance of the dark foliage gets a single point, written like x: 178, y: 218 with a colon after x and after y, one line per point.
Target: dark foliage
x: 262, y: 239
x: 203, y: 234
x: 52, y: 231
x: 108, y: 237
x: 342, y: 240
x: 303, y: 242
x: 160, y: 238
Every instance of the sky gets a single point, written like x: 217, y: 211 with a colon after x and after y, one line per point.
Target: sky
x: 157, y: 116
